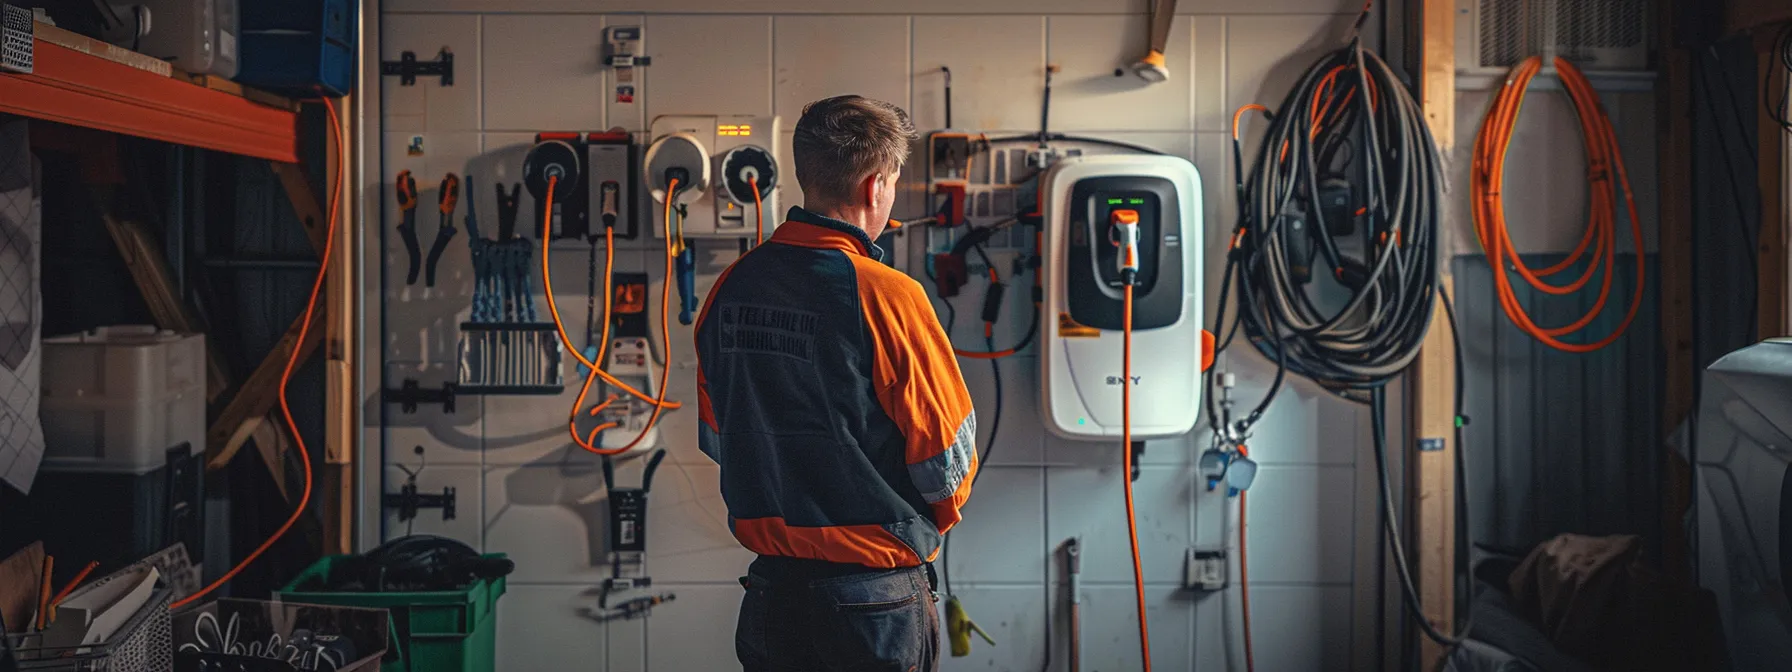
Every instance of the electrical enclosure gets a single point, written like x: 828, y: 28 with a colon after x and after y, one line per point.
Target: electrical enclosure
x: 1081, y: 359
x: 738, y: 147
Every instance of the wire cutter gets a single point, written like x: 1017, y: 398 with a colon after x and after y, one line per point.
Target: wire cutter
x: 446, y: 202
x: 407, y: 226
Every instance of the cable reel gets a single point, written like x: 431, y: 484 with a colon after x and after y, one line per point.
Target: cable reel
x: 746, y: 166
x: 678, y: 156
x: 555, y: 162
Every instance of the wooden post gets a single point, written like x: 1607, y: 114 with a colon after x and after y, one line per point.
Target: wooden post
x: 1674, y: 131
x: 341, y: 410
x: 1771, y: 249
x: 1432, y: 475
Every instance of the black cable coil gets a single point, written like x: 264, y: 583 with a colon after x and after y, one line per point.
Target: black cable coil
x: 1347, y: 184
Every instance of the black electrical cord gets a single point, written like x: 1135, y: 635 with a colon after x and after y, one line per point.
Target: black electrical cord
x: 1349, y: 117
x: 1347, y: 99
x: 995, y: 425
x: 1409, y: 591
x: 1743, y: 214
x: 1782, y: 52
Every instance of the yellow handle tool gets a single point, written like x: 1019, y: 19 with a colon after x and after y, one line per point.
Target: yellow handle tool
x: 959, y: 627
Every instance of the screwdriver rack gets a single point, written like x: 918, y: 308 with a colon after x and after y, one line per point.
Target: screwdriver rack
x: 510, y: 358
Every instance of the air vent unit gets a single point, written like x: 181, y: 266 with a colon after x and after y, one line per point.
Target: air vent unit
x: 1600, y: 36
x: 15, y: 38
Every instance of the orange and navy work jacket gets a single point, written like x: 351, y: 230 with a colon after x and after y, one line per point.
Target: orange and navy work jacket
x: 831, y: 398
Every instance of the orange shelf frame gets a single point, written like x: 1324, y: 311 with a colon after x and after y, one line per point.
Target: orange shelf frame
x: 79, y: 89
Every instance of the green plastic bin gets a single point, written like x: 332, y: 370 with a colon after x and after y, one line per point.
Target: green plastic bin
x: 443, y: 631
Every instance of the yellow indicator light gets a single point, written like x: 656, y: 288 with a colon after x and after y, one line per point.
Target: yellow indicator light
x: 734, y: 130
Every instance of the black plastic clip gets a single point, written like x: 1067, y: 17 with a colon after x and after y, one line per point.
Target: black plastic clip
x: 411, y: 395
x: 408, y: 68
x: 409, y: 501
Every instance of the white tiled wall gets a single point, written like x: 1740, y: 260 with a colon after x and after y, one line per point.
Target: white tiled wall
x: 532, y: 65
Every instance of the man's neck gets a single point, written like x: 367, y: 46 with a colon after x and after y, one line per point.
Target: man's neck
x: 858, y: 217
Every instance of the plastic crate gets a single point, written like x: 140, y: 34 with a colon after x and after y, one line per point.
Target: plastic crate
x: 299, y: 46
x: 442, y: 631
x: 115, y: 399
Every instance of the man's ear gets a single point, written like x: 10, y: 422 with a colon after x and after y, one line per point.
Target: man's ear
x: 868, y: 189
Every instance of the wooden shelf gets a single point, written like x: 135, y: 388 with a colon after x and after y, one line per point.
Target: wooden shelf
x: 84, y: 82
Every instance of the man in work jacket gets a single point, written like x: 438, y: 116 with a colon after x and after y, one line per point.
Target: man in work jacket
x: 831, y: 398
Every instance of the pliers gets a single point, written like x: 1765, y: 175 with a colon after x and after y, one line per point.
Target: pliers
x: 446, y: 202
x: 407, y: 226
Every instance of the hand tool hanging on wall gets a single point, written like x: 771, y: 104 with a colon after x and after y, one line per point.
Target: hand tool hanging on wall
x: 635, y: 607
x: 498, y: 353
x: 514, y: 254
x: 1152, y: 67
x: 486, y: 305
x: 407, y: 224
x: 445, y: 201
x: 687, y: 275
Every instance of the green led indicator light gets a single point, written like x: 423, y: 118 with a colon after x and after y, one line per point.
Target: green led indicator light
x: 1113, y: 201
x: 1082, y: 421
x: 1137, y: 201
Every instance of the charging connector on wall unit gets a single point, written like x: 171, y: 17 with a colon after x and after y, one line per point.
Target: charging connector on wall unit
x: 1205, y: 569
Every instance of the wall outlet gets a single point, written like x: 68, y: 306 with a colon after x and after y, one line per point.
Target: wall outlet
x: 1205, y: 569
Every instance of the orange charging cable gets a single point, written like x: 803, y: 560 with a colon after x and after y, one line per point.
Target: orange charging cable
x: 1244, y: 580
x: 1132, y: 523
x: 292, y: 361
x: 660, y: 404
x: 1603, y: 159
x: 758, y: 212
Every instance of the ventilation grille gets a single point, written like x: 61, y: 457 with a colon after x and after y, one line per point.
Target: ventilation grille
x: 1586, y: 26
x: 1595, y: 34
x: 15, y: 38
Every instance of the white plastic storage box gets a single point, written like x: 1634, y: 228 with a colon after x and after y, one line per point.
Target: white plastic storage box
x: 117, y: 398
x: 198, y: 36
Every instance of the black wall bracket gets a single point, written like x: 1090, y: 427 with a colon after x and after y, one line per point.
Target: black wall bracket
x: 409, y: 501
x: 409, y: 396
x: 407, y: 68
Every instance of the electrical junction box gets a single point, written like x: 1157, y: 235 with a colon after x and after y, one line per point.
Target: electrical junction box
x: 738, y: 147
x: 1205, y: 570
x: 1082, y: 354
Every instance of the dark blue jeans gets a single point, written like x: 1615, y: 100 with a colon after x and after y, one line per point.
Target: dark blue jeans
x: 804, y: 621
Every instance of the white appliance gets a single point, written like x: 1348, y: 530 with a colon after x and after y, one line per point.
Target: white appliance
x: 1082, y: 360
x: 737, y: 147
x: 1745, y: 501
x: 198, y: 36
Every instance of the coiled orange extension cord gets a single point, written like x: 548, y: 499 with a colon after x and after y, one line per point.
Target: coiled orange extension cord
x: 292, y: 361
x: 1603, y: 159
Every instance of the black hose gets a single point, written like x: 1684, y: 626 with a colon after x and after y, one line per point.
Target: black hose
x: 1349, y: 117
x: 1378, y: 139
